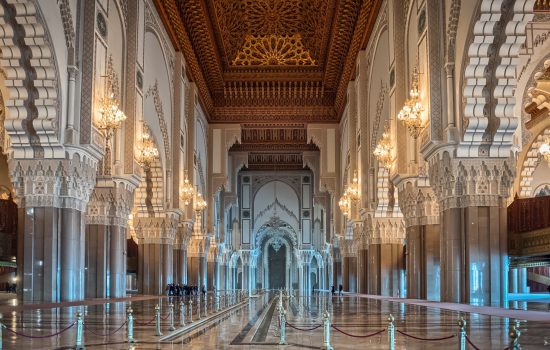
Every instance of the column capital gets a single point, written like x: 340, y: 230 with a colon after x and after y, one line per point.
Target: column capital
x: 111, y: 201
x: 417, y: 201
x: 59, y: 183
x: 159, y: 229
x: 466, y: 182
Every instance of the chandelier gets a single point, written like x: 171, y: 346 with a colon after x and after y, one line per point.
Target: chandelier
x: 353, y: 191
x: 383, y: 151
x: 111, y: 117
x: 147, y: 150
x: 544, y: 150
x: 411, y: 113
x: 199, y: 203
x: 187, y: 191
x: 345, y: 204
x: 351, y: 194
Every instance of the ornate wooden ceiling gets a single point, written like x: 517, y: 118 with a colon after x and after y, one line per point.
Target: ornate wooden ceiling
x: 270, y: 60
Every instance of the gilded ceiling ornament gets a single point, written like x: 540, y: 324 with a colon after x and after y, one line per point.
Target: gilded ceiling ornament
x: 273, y: 50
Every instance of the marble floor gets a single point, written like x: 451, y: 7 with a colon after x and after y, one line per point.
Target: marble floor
x: 253, y: 324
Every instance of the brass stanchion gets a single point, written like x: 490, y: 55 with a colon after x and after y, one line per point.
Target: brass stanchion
x: 130, y: 325
x: 326, y: 331
x: 391, y: 333
x: 191, y: 311
x: 79, y: 329
x: 462, y: 334
x: 182, y: 314
x: 171, y: 316
x: 514, y: 335
x: 157, y: 321
x: 282, y: 326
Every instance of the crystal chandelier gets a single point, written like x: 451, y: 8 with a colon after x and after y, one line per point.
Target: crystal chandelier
x: 411, y: 113
x: 111, y: 117
x: 383, y: 151
x: 147, y: 150
x: 187, y: 191
x: 199, y: 204
x: 353, y: 191
x: 345, y: 204
x: 544, y: 150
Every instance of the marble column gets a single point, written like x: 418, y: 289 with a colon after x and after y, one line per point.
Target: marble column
x: 155, y: 250
x: 385, y: 264
x: 362, y: 271
x: 50, y: 252
x: 210, y: 280
x: 352, y: 274
x: 423, y: 268
x: 472, y: 195
x: 117, y: 268
x: 345, y: 273
x: 97, y: 259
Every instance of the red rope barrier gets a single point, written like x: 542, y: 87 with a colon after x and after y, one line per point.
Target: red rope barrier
x: 39, y: 336
x: 165, y: 317
x: 145, y: 323
x: 105, y: 334
x: 303, y: 329
x: 359, y: 336
x: 425, y: 339
x: 472, y: 344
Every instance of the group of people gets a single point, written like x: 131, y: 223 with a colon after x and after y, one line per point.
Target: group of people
x: 178, y: 290
x: 340, y: 290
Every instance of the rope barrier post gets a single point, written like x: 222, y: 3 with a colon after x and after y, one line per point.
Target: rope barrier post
x: 462, y: 334
x: 282, y: 324
x: 157, y: 321
x: 182, y: 314
x: 198, y: 309
x: 130, y: 325
x: 217, y: 303
x: 79, y: 328
x: 391, y: 333
x: 191, y: 311
x: 205, y: 306
x: 1, y: 328
x: 171, y: 316
x: 514, y: 335
x: 326, y: 333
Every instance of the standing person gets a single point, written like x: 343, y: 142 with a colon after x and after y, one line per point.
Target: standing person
x: 203, y: 291
x: 332, y: 290
x: 340, y: 289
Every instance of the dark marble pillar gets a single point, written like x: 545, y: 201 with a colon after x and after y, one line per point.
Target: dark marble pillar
x: 423, y: 262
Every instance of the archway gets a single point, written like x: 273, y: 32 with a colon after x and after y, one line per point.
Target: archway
x: 276, y: 256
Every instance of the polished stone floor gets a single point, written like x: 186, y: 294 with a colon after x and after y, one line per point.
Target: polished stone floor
x: 253, y: 324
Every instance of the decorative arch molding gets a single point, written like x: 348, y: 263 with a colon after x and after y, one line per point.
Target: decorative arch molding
x: 531, y: 162
x: 33, y: 100
x: 491, y: 135
x: 153, y: 91
x: 275, y: 226
x: 153, y: 24
x: 272, y: 206
x: 68, y: 26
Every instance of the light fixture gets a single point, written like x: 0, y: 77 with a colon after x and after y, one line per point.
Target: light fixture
x: 111, y: 117
x: 187, y: 191
x: 345, y: 204
x: 147, y: 150
x: 411, y: 113
x: 544, y: 150
x: 383, y: 151
x: 199, y: 204
x: 353, y: 191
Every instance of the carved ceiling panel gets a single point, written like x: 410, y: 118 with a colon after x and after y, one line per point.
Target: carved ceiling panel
x: 257, y: 59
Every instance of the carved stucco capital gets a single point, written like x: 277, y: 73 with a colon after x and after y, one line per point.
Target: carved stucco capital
x: 58, y: 183
x: 466, y: 182
x: 417, y: 201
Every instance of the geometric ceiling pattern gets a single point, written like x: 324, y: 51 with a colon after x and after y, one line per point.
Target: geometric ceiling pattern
x: 275, y: 61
